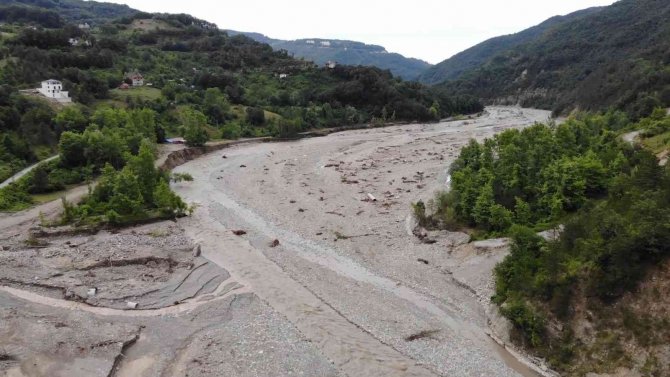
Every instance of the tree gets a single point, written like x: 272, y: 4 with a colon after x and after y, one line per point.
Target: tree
x: 255, y: 116
x: 216, y: 106
x: 193, y: 124
x: 71, y: 148
x: 71, y: 119
x: 167, y: 201
x: 143, y: 167
x: 127, y: 195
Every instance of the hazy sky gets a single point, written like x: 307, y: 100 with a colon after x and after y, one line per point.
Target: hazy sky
x: 432, y: 30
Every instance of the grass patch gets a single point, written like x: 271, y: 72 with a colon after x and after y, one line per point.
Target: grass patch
x: 658, y: 143
x: 145, y: 93
x: 49, y: 197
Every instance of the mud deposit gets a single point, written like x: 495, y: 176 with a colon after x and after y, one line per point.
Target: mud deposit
x: 299, y: 260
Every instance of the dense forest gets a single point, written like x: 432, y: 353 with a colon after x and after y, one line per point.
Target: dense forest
x: 478, y: 55
x: 616, y: 57
x: 610, y: 202
x: 200, y: 84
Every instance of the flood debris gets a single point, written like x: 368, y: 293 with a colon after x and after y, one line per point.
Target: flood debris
x: 372, y: 197
x: 131, y: 305
x: 196, y: 251
x: 429, y: 334
x: 422, y: 234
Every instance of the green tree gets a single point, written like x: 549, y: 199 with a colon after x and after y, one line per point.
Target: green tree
x: 143, y: 167
x: 71, y: 148
x: 255, y: 116
x: 216, y: 106
x: 193, y: 123
x: 71, y: 119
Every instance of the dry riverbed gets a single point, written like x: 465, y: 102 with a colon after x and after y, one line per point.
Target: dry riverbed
x: 325, y: 280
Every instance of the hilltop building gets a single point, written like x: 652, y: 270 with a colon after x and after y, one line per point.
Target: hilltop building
x: 53, y: 89
x: 331, y: 64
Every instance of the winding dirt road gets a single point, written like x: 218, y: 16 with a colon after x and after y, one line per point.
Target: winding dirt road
x: 345, y: 272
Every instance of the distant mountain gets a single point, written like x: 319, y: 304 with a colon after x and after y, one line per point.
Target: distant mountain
x: 613, y: 57
x: 474, y: 57
x: 345, y: 52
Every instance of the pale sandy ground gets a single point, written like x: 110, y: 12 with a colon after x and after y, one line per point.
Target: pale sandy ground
x: 340, y: 295
x: 347, y: 272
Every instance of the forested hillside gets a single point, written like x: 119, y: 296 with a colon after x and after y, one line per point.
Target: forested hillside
x: 476, y: 56
x: 344, y: 52
x: 587, y: 299
x: 198, y: 82
x: 61, y: 11
x: 617, y: 57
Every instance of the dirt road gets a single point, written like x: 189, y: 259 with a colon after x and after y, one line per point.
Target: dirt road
x: 345, y: 271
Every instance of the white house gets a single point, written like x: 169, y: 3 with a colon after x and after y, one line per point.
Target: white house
x: 331, y: 64
x: 283, y: 75
x: 53, y: 89
x: 325, y: 43
x: 309, y: 42
x: 84, y: 26
x: 136, y: 78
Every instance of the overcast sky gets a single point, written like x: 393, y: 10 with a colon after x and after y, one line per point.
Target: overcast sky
x: 432, y: 30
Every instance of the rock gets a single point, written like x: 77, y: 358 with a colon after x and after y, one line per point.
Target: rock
x: 274, y: 243
x: 239, y: 232
x: 243, y: 166
x: 92, y: 292
x: 196, y: 251
x: 423, y: 261
x: 420, y: 232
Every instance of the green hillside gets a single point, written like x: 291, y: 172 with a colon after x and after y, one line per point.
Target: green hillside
x: 475, y: 56
x: 91, y: 12
x: 197, y: 78
x: 345, y: 52
x: 616, y: 57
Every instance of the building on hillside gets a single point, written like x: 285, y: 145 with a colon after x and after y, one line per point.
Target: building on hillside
x: 176, y: 140
x: 53, y: 89
x: 331, y: 64
x: 84, y: 26
x: 124, y: 86
x: 325, y: 43
x: 136, y: 78
x: 310, y: 42
x: 283, y: 75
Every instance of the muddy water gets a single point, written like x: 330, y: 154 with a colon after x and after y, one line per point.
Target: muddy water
x: 353, y: 350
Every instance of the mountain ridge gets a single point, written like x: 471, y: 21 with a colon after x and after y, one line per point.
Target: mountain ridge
x: 453, y: 67
x: 348, y: 52
x: 617, y: 57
